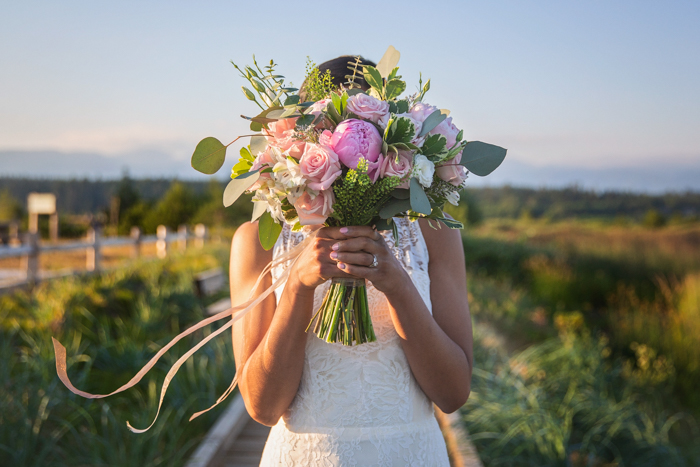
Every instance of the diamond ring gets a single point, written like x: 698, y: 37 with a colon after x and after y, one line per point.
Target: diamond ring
x: 374, y: 262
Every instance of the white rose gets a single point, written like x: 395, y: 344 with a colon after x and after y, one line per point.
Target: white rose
x: 453, y: 198
x: 423, y: 170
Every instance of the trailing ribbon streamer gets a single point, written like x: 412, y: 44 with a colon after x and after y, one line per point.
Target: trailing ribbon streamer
x: 237, y: 312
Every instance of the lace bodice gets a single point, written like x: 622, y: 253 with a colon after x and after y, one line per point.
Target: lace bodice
x: 360, y: 405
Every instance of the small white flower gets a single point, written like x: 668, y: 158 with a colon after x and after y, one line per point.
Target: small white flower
x: 453, y: 198
x: 423, y: 170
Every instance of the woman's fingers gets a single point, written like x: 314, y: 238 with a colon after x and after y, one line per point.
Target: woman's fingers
x: 359, y: 258
x: 359, y: 244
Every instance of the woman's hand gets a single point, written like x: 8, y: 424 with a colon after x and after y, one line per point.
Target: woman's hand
x: 348, y: 252
x: 357, y: 249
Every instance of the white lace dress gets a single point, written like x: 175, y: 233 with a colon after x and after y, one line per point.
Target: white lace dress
x: 360, y: 405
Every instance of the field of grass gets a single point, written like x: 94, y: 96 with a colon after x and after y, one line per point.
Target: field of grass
x: 599, y: 362
x: 111, y: 324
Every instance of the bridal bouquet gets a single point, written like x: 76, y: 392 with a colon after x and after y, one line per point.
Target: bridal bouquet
x: 346, y: 156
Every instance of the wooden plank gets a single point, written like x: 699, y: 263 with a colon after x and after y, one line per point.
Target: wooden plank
x: 222, y: 434
x: 460, y: 450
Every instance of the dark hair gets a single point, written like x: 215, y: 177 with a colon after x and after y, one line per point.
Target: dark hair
x: 338, y: 68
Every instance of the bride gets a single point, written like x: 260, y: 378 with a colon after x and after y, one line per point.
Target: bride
x: 369, y: 404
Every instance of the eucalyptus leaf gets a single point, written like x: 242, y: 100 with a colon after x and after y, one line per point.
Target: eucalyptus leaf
x: 383, y: 224
x: 257, y: 144
x: 419, y: 200
x: 305, y: 120
x: 401, y: 193
x: 389, y: 60
x: 268, y: 231
x: 256, y: 126
x: 291, y: 100
x: 276, y: 114
x: 238, y: 186
x: 482, y: 158
x: 288, y: 112
x: 209, y: 156
x: 259, y: 208
x: 393, y: 207
x: 433, y: 120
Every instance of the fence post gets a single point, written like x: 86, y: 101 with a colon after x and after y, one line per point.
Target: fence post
x: 94, y: 255
x: 162, y: 242
x: 200, y: 233
x: 14, y: 234
x: 30, y: 263
x: 182, y: 237
x: 53, y: 227
x: 136, y: 236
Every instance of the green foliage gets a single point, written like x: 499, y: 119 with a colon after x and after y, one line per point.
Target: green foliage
x: 209, y: 156
x: 357, y: 199
x: 111, y: 325
x: 10, y: 207
x: 268, y: 231
x: 481, y: 158
x: 175, y: 208
x: 317, y: 85
x: 269, y: 86
x: 654, y: 219
x: 562, y: 401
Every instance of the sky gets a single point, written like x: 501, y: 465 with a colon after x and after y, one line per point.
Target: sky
x: 579, y: 92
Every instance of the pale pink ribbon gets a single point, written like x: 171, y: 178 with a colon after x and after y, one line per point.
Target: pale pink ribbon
x: 236, y: 313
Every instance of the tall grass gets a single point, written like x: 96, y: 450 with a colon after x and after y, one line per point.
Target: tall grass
x: 111, y: 325
x: 567, y: 402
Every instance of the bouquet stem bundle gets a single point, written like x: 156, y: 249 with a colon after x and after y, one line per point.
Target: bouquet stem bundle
x: 344, y: 314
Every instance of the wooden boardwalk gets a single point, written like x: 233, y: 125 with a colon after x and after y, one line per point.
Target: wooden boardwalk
x: 236, y: 440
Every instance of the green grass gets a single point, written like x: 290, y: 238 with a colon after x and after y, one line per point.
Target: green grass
x: 111, y: 325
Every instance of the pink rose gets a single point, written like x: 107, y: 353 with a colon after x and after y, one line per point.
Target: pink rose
x: 397, y: 166
x: 281, y: 135
x: 452, y: 172
x: 354, y: 139
x: 447, y: 129
x: 320, y: 166
x: 365, y: 106
x: 314, y: 210
x: 420, y: 111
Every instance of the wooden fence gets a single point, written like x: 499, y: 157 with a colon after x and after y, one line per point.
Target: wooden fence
x: 31, y: 249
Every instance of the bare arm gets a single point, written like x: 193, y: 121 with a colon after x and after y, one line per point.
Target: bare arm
x: 438, y: 347
x: 269, y: 342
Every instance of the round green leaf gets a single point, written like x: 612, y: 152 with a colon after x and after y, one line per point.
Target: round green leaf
x: 209, y: 156
x: 419, y: 200
x: 482, y: 158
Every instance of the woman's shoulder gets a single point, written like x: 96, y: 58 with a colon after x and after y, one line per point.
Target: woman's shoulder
x: 440, y: 239
x: 246, y: 249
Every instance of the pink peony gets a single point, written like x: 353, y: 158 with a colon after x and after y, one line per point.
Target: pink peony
x: 452, y: 172
x: 320, y: 166
x: 368, y: 107
x: 281, y: 135
x: 354, y: 139
x: 397, y: 166
x: 314, y: 210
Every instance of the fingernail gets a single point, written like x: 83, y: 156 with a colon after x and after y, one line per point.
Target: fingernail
x: 336, y: 246
x: 334, y: 255
x: 344, y: 230
x: 341, y: 265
